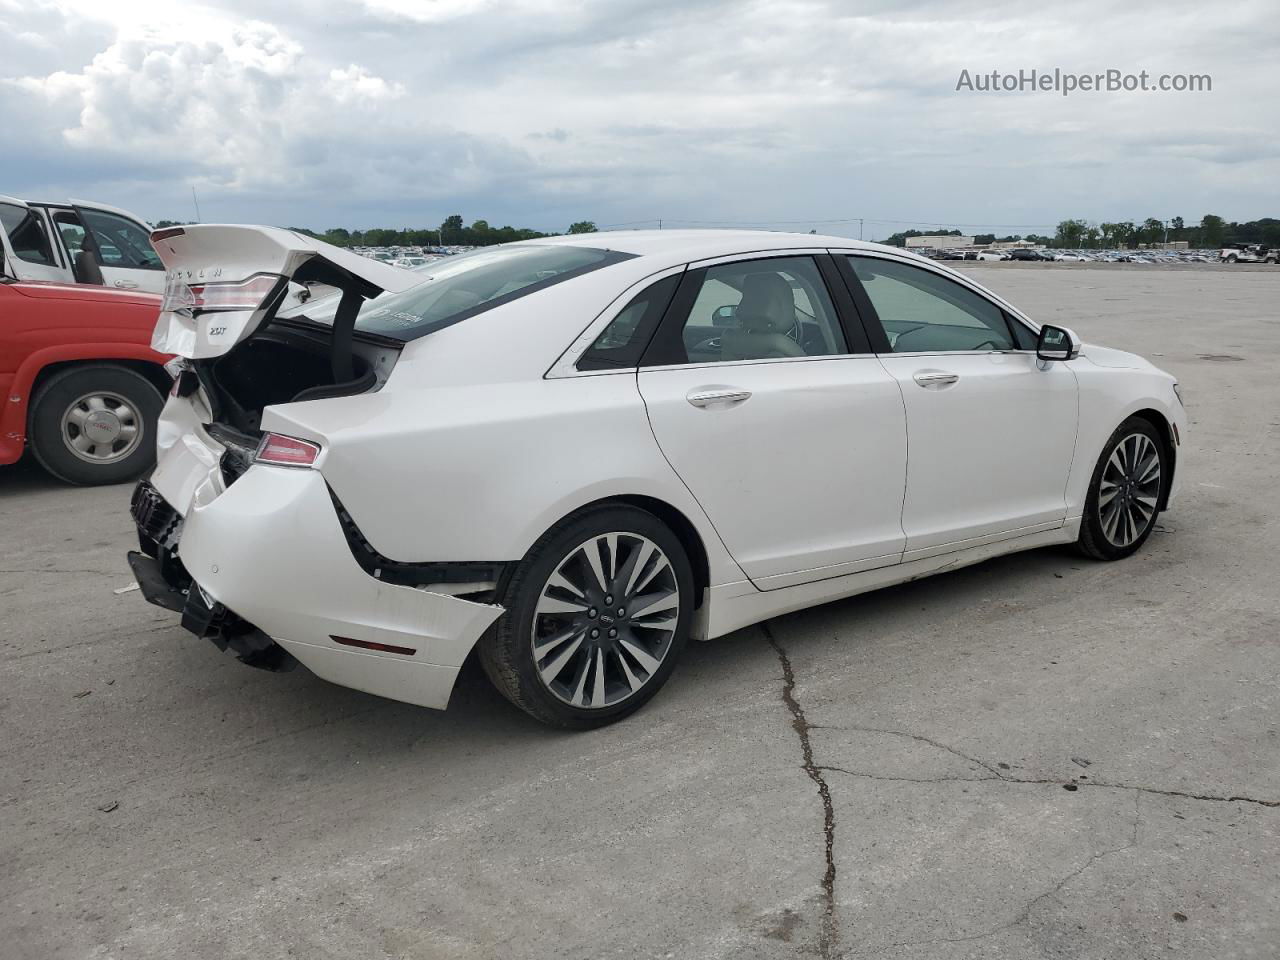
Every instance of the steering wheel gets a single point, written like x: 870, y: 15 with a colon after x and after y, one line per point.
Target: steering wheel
x: 991, y: 343
x: 711, y: 344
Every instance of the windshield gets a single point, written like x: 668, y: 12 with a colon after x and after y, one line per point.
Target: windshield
x: 462, y: 286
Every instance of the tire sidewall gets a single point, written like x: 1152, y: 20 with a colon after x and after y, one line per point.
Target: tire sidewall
x: 516, y: 625
x: 1092, y: 531
x: 44, y: 433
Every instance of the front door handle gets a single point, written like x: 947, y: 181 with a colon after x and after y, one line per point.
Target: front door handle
x: 936, y: 378
x: 705, y: 398
x: 126, y: 284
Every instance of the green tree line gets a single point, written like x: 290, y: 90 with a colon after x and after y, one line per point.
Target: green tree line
x: 1210, y: 233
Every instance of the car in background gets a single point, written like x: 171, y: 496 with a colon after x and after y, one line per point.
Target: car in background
x: 574, y: 454
x: 78, y: 242
x: 84, y: 388
x: 1026, y: 253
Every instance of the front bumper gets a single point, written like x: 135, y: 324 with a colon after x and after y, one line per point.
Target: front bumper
x: 269, y: 548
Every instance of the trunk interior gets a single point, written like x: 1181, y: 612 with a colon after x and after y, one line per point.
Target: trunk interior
x: 286, y: 363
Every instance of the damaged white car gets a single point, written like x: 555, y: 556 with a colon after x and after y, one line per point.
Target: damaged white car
x: 575, y: 454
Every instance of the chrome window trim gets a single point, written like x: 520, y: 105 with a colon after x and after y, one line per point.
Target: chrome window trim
x: 720, y: 364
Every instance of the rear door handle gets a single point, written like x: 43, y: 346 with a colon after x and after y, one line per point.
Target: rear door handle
x: 126, y: 284
x: 704, y: 398
x: 937, y: 378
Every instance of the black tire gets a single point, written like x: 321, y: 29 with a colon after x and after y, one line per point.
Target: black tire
x: 1094, y: 541
x: 52, y: 445
x: 506, y: 650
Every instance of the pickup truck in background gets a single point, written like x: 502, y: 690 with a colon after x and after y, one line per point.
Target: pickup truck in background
x: 78, y: 242
x: 1248, y: 253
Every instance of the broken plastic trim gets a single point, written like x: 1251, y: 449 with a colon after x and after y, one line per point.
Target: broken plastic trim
x: 416, y: 574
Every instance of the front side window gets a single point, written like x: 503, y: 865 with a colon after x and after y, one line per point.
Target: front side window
x: 761, y: 310
x: 26, y: 235
x: 924, y: 312
x: 121, y: 242
x: 459, y: 287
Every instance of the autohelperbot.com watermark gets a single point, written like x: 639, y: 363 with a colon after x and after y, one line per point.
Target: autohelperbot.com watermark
x: 1065, y: 82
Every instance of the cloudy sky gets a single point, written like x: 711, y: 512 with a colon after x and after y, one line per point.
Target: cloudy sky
x: 540, y: 112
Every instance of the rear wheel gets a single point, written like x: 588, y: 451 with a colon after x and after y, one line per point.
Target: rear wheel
x: 1125, y: 492
x: 95, y: 424
x: 596, y: 617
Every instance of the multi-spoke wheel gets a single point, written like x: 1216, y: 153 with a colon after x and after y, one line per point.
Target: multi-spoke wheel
x: 596, y: 616
x: 1125, y: 492
x: 95, y: 424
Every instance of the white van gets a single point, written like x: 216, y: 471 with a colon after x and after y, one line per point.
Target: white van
x: 79, y: 242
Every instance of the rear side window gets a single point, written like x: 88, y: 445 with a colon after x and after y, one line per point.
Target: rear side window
x: 760, y: 309
x: 463, y: 286
x: 622, y: 342
x: 26, y: 235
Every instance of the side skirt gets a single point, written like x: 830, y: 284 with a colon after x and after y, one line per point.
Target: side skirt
x: 733, y: 606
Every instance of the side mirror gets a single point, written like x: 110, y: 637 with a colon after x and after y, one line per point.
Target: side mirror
x: 1057, y: 343
x: 723, y: 316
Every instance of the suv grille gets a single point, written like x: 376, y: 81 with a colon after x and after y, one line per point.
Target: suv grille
x: 154, y: 516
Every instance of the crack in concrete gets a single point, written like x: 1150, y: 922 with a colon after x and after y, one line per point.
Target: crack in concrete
x: 919, y: 739
x: 1006, y: 778
x: 1025, y: 913
x: 828, y: 935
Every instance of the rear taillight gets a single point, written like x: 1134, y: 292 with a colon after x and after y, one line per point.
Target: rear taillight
x: 283, y: 451
x: 205, y: 296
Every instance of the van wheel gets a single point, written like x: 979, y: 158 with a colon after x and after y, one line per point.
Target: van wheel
x: 95, y: 424
x: 596, y: 616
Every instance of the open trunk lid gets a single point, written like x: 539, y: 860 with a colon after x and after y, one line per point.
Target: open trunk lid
x: 224, y: 282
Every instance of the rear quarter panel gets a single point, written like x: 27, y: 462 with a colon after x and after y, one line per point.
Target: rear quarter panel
x: 480, y: 472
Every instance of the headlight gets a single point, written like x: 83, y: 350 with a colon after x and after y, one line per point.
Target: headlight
x: 1177, y: 392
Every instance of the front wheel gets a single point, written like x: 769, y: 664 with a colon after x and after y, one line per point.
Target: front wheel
x: 596, y: 616
x: 1125, y: 492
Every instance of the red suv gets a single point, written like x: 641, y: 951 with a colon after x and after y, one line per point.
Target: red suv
x: 80, y: 381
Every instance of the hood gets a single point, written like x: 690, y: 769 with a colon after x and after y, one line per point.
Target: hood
x: 225, y: 281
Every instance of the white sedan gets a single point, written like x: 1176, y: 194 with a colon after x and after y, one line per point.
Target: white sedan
x: 577, y: 453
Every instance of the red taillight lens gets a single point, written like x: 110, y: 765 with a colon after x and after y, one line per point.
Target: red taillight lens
x: 285, y: 451
x: 247, y: 294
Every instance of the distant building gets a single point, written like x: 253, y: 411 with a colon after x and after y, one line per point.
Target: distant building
x: 938, y: 242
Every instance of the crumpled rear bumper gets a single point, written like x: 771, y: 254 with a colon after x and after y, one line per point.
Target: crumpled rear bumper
x: 269, y: 547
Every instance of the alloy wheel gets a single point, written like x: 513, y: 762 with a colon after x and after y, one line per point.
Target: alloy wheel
x: 1129, y: 490
x: 102, y: 427
x: 605, y: 620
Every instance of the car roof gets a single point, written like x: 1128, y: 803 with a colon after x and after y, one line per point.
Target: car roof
x: 703, y: 244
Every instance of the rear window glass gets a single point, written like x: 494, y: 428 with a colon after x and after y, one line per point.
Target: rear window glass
x: 467, y: 284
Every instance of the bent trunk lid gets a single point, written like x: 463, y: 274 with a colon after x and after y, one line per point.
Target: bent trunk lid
x: 224, y: 259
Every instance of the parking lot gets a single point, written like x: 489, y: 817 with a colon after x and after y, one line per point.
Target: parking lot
x: 1039, y: 756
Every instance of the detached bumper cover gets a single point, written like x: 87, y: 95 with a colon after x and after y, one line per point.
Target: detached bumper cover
x: 270, y: 548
